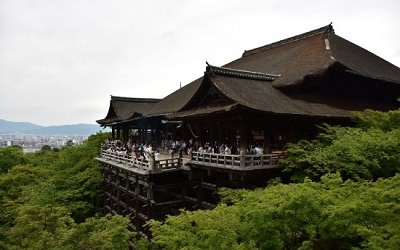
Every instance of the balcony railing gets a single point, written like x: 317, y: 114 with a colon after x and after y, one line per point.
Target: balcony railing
x: 240, y: 162
x: 149, y: 164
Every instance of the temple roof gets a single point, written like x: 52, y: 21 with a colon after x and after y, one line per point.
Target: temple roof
x: 257, y: 79
x: 122, y: 108
x: 312, y: 54
x: 240, y: 73
x: 176, y: 100
x: 261, y: 96
x: 322, y: 30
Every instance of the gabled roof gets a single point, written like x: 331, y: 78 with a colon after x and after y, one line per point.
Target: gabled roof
x: 256, y: 94
x: 313, y: 53
x: 176, y: 100
x: 286, y: 64
x: 362, y: 61
x: 122, y: 108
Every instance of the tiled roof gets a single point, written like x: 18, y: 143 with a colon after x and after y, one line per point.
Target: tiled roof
x: 261, y: 77
x: 240, y: 73
x: 322, y: 30
x: 122, y: 108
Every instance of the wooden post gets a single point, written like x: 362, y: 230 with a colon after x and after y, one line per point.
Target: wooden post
x: 118, y: 184
x: 113, y: 133
x: 118, y: 133
x: 179, y: 158
x: 190, y: 154
x: 137, y: 193
x: 244, y: 139
x: 127, y: 197
x: 152, y: 162
x: 125, y: 134
x: 242, y: 159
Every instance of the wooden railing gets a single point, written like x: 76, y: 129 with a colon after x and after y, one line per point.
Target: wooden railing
x: 149, y: 164
x: 236, y: 161
x: 240, y: 162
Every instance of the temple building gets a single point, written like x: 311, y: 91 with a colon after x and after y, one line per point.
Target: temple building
x: 277, y: 91
x: 123, y: 111
x: 272, y: 95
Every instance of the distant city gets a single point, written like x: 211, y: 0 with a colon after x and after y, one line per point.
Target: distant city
x: 32, y: 137
x: 33, y: 143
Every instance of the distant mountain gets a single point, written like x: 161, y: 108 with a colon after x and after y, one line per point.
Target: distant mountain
x: 15, y: 127
x: 30, y: 128
x: 76, y: 129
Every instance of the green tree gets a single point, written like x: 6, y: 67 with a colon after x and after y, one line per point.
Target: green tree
x: 106, y: 232
x: 385, y: 121
x: 46, y: 148
x: 11, y: 156
x: 42, y: 223
x: 51, y: 203
x: 331, y: 214
x: 369, y: 151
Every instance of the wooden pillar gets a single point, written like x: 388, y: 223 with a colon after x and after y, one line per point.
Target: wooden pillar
x: 219, y: 137
x: 113, y: 132
x: 137, y: 193
x: 127, y: 197
x: 143, y: 135
x: 267, y: 141
x: 118, y: 195
x: 125, y: 133
x: 244, y: 137
x: 212, y: 134
x: 118, y: 133
x: 152, y: 162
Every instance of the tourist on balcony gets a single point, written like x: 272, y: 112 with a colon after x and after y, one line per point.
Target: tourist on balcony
x: 227, y: 150
x: 258, y: 150
x: 222, y: 149
x: 201, y: 149
x: 215, y: 148
x: 184, y: 146
x: 157, y: 156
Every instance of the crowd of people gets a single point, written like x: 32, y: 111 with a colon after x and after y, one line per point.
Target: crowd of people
x: 141, y: 150
x: 130, y: 149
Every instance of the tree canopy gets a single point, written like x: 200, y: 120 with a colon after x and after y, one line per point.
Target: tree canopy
x: 368, y: 151
x: 331, y: 214
x: 49, y: 200
x: 347, y: 196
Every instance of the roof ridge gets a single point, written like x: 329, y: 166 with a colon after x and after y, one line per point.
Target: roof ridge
x: 133, y: 99
x: 241, y: 73
x: 322, y: 30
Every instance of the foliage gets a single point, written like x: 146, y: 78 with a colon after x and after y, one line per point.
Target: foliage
x: 46, y: 148
x: 369, y: 151
x: 329, y: 215
x: 11, y: 156
x: 51, y: 202
x: 106, y: 232
x: 385, y: 121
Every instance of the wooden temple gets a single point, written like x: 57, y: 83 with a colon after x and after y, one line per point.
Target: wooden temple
x: 272, y: 95
x: 124, y: 117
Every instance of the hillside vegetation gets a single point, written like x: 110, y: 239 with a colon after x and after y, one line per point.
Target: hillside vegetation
x: 344, y: 195
x: 49, y: 200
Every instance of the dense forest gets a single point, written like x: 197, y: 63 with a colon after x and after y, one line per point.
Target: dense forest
x: 49, y: 200
x: 344, y: 193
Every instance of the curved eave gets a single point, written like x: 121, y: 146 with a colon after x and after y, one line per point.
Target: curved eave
x: 201, y: 112
x: 371, y: 76
x: 363, y: 62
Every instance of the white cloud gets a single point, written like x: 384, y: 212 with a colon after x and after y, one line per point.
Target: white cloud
x: 61, y: 60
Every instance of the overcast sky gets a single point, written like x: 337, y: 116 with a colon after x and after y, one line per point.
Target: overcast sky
x: 60, y: 60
